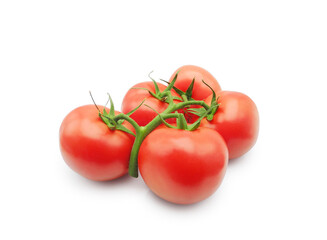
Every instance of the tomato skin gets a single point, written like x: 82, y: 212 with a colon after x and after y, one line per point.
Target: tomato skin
x: 237, y: 120
x: 183, y: 167
x: 90, y: 148
x: 134, y: 97
x: 200, y: 90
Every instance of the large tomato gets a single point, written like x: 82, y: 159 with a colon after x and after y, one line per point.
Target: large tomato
x: 182, y: 166
x: 90, y: 148
x: 136, y: 95
x: 200, y: 90
x: 237, y: 120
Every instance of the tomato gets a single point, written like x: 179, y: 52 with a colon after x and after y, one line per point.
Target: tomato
x: 134, y: 97
x: 90, y: 148
x: 182, y: 166
x: 200, y: 90
x: 237, y: 120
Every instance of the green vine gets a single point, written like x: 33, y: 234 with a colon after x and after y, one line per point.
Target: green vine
x: 141, y: 132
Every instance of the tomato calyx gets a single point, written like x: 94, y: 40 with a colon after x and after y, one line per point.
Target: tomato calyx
x: 109, y: 118
x: 161, y: 95
x: 187, y: 96
x: 181, y: 122
x: 214, y: 104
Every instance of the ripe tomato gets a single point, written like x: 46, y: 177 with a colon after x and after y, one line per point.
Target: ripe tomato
x: 134, y: 97
x: 200, y: 90
x: 90, y: 148
x: 237, y: 120
x: 182, y: 166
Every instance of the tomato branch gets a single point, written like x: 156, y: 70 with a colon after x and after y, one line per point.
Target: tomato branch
x: 141, y: 134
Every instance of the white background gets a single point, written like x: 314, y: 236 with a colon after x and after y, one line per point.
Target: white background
x: 53, y: 52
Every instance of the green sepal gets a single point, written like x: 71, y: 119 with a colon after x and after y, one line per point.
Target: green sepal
x: 180, y: 92
x: 170, y: 84
x: 177, y: 98
x: 131, y: 112
x: 197, y: 111
x: 120, y: 122
x: 213, y: 99
x: 214, y: 103
x: 197, y: 123
x: 112, y: 107
x: 134, y: 110
x: 108, y: 118
x: 124, y: 129
x: 166, y: 123
x: 105, y: 114
x: 189, y: 90
x: 156, y: 87
x: 105, y: 117
x: 194, y: 126
x: 181, y: 122
x: 151, y: 93
x: 161, y: 118
x: 157, y: 94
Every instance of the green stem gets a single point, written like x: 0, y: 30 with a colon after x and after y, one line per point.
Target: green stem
x: 169, y: 98
x: 141, y: 134
x: 184, y: 97
x: 128, y: 119
x: 192, y: 102
x: 133, y: 161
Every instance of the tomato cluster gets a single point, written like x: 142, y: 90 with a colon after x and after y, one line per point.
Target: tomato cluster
x: 178, y: 136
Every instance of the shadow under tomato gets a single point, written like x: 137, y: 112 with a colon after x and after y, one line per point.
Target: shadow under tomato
x: 124, y: 181
x: 178, y: 207
x: 240, y: 160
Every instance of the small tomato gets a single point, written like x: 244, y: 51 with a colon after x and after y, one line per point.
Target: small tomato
x: 237, y: 120
x: 200, y: 90
x: 182, y: 166
x: 136, y: 95
x: 90, y: 148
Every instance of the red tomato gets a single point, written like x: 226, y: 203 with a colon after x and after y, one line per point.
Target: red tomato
x: 134, y: 97
x: 200, y: 90
x: 90, y: 148
x: 237, y: 120
x: 182, y: 166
